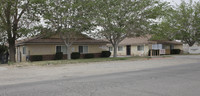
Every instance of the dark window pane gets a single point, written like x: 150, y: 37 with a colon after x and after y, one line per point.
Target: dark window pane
x: 171, y: 46
x: 80, y: 49
x: 58, y: 49
x: 140, y: 48
x: 24, y: 50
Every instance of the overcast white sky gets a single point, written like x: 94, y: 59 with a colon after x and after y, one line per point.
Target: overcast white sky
x: 174, y: 2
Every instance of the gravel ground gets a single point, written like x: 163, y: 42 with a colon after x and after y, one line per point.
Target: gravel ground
x: 16, y: 75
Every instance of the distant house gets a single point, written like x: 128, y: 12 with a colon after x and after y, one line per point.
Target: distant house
x: 141, y: 46
x: 49, y: 46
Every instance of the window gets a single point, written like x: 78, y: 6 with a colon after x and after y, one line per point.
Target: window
x: 62, y: 49
x: 157, y: 46
x: 120, y: 48
x: 140, y: 48
x: 58, y: 49
x: 164, y: 47
x: 171, y: 46
x: 73, y: 49
x: 110, y: 48
x: 24, y: 50
x: 83, y: 49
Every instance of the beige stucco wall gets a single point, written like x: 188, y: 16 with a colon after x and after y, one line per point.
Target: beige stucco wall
x: 96, y: 48
x: 178, y: 47
x: 19, y: 51
x: 175, y: 47
x: 51, y: 49
x: 134, y: 51
x: 121, y: 53
x: 91, y: 48
x: 167, y: 46
x: 39, y: 49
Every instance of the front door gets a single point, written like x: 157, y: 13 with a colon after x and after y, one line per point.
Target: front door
x: 128, y: 50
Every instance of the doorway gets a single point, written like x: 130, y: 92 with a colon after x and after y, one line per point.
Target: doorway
x: 128, y: 50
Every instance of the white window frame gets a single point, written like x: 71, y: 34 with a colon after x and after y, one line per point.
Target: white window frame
x: 140, y: 47
x: 120, y: 48
x: 24, y: 50
x: 83, y: 49
x: 157, y: 46
x: 172, y: 46
x: 110, y: 49
x: 73, y: 49
x: 61, y: 48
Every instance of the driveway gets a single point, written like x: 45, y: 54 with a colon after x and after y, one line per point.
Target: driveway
x: 15, y: 75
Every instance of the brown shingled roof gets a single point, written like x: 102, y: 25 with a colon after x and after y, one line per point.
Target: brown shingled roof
x: 135, y: 40
x: 41, y: 40
x: 145, y: 40
x: 168, y: 42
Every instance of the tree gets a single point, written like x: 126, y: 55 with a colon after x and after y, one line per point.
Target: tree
x: 164, y: 30
x: 16, y: 16
x: 68, y: 18
x: 188, y: 22
x: 183, y: 23
x: 118, y: 19
x: 2, y: 37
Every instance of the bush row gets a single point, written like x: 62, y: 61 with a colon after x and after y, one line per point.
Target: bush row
x: 175, y: 51
x: 77, y: 55
x: 74, y: 55
x: 3, y: 49
x: 59, y: 56
x: 36, y: 58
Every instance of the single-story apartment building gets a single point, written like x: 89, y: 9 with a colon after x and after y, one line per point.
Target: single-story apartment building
x: 141, y: 46
x: 49, y: 46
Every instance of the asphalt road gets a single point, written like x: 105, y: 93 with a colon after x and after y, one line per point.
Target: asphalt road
x: 181, y: 80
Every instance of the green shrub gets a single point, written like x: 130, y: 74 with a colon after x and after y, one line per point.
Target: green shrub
x: 3, y: 49
x: 36, y: 58
x: 75, y: 55
x: 89, y: 56
x: 59, y: 56
x: 105, y: 54
x: 175, y: 51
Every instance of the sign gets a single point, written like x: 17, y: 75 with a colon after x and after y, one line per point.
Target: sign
x: 162, y: 51
x: 194, y: 50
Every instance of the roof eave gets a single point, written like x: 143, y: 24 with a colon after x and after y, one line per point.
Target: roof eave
x: 58, y: 43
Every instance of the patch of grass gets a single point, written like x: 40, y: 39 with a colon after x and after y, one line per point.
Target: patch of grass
x: 189, y: 54
x: 165, y: 56
x: 57, y: 62
x: 11, y: 63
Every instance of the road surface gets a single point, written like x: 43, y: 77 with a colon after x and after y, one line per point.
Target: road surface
x: 179, y: 80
